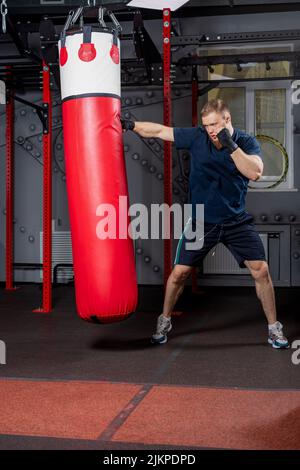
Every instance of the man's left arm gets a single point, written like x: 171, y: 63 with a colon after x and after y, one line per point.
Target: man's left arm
x: 250, y: 166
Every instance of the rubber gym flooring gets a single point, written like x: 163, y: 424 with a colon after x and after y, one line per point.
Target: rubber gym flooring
x: 68, y: 384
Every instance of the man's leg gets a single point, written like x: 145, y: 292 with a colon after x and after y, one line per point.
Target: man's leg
x: 264, y: 287
x: 184, y: 262
x: 265, y: 292
x: 174, y: 288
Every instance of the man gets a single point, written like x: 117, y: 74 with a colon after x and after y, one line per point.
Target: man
x: 223, y: 160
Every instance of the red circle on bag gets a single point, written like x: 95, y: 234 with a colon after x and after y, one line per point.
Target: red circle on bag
x: 114, y: 54
x: 63, y: 57
x: 87, y: 52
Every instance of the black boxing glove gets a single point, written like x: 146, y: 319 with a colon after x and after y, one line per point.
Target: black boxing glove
x: 127, y: 124
x: 226, y: 140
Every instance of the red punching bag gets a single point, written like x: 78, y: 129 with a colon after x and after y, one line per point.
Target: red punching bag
x: 104, y: 268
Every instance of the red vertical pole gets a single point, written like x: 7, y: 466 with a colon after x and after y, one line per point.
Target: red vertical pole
x: 194, y: 124
x: 167, y: 145
x: 194, y: 98
x: 47, y: 196
x: 9, y: 192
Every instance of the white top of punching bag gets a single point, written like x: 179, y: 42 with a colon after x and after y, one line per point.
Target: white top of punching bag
x: 99, y: 76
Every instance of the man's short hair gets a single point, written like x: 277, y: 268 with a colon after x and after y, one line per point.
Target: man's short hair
x: 214, y: 106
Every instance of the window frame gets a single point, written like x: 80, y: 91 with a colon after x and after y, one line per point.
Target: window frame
x: 250, y: 88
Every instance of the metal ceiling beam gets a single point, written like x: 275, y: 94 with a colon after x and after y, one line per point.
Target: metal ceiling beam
x: 36, y: 13
x: 220, y: 10
x: 236, y: 38
x: 21, y: 46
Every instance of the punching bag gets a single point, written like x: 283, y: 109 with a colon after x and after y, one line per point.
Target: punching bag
x: 104, y: 268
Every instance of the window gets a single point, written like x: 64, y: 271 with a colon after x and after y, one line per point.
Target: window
x: 270, y: 106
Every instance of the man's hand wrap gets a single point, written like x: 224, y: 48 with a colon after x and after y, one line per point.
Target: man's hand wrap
x: 127, y: 124
x: 226, y: 140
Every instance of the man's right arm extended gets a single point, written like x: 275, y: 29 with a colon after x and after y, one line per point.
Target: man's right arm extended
x: 149, y: 129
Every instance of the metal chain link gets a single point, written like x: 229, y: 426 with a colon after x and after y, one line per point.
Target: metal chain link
x: 3, y: 11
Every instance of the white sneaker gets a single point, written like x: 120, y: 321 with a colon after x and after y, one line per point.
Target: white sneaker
x: 276, y: 337
x: 163, y: 327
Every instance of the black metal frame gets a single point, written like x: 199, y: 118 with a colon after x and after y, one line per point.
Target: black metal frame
x: 186, y: 11
x: 33, y: 266
x: 147, y: 68
x: 42, y: 112
x: 213, y: 39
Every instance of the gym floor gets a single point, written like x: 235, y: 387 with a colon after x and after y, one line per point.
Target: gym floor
x: 68, y: 384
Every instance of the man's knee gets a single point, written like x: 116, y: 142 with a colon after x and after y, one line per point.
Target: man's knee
x: 259, y: 270
x: 180, y: 273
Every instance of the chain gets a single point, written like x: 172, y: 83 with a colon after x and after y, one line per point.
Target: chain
x: 3, y: 11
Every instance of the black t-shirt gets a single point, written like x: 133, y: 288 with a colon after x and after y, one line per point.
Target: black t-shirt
x: 214, y: 178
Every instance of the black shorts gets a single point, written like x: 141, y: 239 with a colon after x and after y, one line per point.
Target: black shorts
x: 239, y: 236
